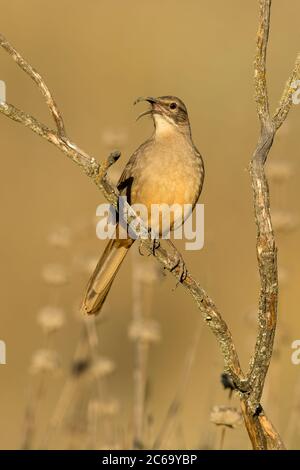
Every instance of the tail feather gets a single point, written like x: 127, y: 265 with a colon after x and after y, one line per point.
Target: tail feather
x: 104, y: 274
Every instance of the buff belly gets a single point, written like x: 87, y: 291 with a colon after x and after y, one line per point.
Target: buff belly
x: 164, y: 199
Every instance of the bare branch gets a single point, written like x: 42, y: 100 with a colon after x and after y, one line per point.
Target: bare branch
x: 260, y: 83
x: 261, y: 431
x: 286, y: 99
x: 89, y: 164
x: 36, y: 77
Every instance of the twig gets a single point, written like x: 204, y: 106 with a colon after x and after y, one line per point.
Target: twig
x: 36, y: 77
x: 286, y: 99
x: 260, y: 82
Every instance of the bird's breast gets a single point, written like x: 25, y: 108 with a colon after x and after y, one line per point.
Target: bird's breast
x: 169, y: 173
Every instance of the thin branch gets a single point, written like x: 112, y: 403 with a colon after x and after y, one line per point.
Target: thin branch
x: 260, y: 83
x: 36, y: 77
x: 286, y: 99
x: 266, y: 246
x: 89, y: 164
x: 261, y: 432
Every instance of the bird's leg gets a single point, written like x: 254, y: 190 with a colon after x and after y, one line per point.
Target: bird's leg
x: 155, y: 244
x: 178, y: 262
x: 141, y: 246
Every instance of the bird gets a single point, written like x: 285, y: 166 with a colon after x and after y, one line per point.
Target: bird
x: 166, y: 169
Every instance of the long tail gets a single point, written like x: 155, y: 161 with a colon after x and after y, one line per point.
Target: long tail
x: 104, y: 274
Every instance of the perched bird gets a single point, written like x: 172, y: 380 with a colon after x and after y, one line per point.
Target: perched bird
x: 166, y: 169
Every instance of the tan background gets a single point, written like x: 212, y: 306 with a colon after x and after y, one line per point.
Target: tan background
x: 97, y: 56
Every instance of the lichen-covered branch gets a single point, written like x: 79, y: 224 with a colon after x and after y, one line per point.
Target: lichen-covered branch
x: 286, y: 99
x: 256, y: 422
x: 260, y: 81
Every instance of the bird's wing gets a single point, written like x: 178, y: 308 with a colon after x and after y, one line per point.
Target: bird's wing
x: 126, y: 178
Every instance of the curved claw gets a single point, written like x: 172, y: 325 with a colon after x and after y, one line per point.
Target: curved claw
x: 183, y: 269
x: 155, y: 245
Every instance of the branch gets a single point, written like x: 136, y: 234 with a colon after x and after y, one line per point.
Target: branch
x: 260, y: 430
x: 260, y: 83
x: 286, y: 102
x: 265, y: 244
x: 266, y: 247
x: 36, y: 77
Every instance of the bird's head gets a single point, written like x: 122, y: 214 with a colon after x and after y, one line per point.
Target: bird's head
x: 168, y: 112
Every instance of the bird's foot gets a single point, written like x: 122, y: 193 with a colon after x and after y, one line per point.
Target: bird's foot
x: 178, y: 262
x: 155, y: 244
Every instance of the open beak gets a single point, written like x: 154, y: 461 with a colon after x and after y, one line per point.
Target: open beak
x: 147, y: 98
x: 150, y: 100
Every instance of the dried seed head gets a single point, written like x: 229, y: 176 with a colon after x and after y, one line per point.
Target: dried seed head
x: 102, y: 367
x: 226, y: 416
x: 146, y: 330
x: 60, y: 238
x: 44, y: 360
x: 54, y: 274
x: 51, y: 318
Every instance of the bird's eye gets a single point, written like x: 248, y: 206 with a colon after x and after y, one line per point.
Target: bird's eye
x: 173, y: 105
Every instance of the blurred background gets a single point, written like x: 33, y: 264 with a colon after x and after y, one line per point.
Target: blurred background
x: 69, y: 383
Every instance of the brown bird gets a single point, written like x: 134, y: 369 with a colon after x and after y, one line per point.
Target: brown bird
x: 166, y: 169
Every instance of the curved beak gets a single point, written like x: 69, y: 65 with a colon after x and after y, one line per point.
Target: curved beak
x: 150, y: 100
